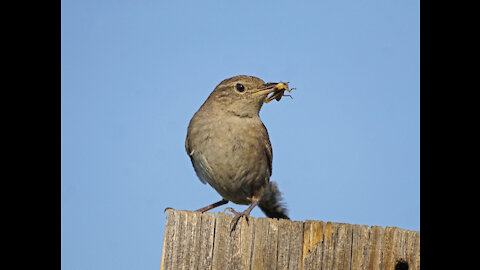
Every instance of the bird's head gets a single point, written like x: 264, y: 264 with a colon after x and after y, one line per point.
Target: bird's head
x: 241, y: 95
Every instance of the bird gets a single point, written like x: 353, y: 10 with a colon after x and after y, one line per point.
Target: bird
x: 230, y: 149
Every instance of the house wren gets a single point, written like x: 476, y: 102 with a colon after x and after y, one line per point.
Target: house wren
x: 230, y: 149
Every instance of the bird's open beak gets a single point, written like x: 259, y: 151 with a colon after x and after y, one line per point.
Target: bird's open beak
x: 265, y: 89
x: 277, y: 89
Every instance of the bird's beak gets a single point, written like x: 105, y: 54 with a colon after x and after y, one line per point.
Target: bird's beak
x: 277, y: 90
x: 265, y: 89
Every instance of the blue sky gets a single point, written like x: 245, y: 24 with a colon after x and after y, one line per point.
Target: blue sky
x: 346, y: 147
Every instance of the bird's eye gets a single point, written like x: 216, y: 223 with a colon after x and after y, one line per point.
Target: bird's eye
x: 240, y: 87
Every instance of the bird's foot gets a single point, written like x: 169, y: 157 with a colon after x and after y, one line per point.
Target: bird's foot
x: 237, y: 216
x: 168, y: 208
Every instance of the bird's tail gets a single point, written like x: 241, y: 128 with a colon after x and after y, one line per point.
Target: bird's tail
x: 271, y: 202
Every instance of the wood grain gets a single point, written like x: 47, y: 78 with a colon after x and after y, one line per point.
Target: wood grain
x: 206, y: 241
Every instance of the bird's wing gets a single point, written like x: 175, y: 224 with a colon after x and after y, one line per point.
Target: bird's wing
x: 190, y: 153
x: 268, y: 148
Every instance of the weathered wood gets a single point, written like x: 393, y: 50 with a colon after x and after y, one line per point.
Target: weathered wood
x: 205, y: 241
x: 290, y: 244
x: 296, y: 246
x: 312, y: 244
x: 207, y: 236
x: 222, y: 245
x: 376, y: 248
x: 242, y: 243
x: 360, y: 246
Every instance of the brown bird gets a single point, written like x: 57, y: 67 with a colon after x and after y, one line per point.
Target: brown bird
x: 230, y: 149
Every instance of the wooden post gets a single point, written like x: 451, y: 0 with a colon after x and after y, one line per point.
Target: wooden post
x: 203, y: 241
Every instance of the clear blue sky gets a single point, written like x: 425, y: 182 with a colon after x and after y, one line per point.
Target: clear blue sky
x: 346, y: 147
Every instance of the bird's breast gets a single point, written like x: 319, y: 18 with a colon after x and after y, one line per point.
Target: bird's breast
x: 235, y: 155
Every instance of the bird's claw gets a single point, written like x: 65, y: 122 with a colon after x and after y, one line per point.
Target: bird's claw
x: 236, y: 217
x: 229, y: 209
x: 167, y: 209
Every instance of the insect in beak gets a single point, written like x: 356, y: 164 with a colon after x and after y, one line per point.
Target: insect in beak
x: 278, y: 92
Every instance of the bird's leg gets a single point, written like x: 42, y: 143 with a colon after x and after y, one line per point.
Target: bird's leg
x: 238, y: 215
x: 206, y: 208
x: 211, y: 206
